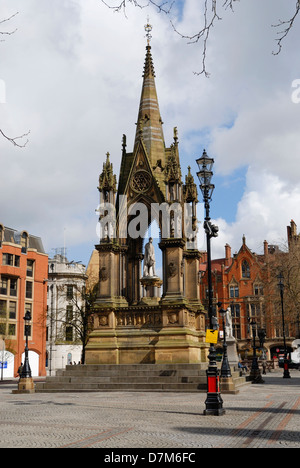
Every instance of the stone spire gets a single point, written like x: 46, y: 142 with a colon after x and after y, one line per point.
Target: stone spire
x: 107, y: 179
x: 149, y: 124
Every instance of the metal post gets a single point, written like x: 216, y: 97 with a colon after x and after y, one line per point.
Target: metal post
x: 286, y: 372
x: 255, y: 374
x: 214, y: 402
x: 26, y: 370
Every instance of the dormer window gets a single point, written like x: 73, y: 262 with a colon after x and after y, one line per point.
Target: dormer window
x: 24, y: 242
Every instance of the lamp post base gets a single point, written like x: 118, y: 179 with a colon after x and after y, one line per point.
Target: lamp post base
x: 25, y: 386
x: 286, y: 372
x: 214, y: 407
x: 255, y: 377
x: 214, y: 402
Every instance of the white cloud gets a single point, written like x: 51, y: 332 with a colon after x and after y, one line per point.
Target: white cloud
x: 73, y: 75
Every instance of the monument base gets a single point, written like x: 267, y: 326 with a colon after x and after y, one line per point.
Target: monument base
x: 147, y: 334
x: 25, y: 386
x: 233, y: 357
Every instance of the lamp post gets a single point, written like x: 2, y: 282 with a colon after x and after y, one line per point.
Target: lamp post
x: 214, y: 402
x: 26, y: 371
x: 26, y: 384
x: 286, y: 372
x: 255, y: 374
x: 262, y: 338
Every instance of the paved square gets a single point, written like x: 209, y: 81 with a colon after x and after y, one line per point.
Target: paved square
x: 266, y: 415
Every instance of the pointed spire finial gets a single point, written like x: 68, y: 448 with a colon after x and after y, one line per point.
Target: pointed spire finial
x: 148, y: 29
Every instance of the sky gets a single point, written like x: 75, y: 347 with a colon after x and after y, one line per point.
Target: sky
x: 72, y: 74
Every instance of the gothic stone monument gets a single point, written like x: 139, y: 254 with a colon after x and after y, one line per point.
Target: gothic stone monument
x: 139, y: 317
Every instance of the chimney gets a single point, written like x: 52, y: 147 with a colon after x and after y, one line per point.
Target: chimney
x: 266, y: 248
x: 227, y: 254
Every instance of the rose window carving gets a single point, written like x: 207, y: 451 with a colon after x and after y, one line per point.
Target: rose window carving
x: 141, y: 181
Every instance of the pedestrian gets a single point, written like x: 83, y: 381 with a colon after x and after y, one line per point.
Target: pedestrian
x: 264, y: 366
x: 20, y: 370
x: 243, y: 367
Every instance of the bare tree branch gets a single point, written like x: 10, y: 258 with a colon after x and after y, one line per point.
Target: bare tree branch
x: 14, y: 140
x: 210, y: 17
x: 122, y: 5
x: 284, y: 32
x: 8, y: 33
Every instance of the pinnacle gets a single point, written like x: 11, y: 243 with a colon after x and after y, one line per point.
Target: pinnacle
x: 149, y: 67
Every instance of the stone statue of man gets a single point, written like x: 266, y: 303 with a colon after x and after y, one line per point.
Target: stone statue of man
x: 149, y: 259
x: 229, y: 327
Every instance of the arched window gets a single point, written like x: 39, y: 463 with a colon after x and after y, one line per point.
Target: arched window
x: 245, y: 269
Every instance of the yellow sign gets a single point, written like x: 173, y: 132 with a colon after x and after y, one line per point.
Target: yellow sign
x: 211, y: 336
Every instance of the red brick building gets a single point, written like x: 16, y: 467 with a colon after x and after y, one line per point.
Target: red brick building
x: 23, y: 287
x: 240, y: 281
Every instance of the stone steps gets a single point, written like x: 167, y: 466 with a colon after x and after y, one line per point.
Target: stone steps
x: 136, y: 377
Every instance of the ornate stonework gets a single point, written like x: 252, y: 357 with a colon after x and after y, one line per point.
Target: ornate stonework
x: 139, y: 317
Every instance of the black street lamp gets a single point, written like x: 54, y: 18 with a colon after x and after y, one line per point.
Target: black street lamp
x: 26, y: 371
x: 255, y: 374
x: 214, y: 402
x: 286, y: 372
x: 262, y: 338
x: 225, y: 368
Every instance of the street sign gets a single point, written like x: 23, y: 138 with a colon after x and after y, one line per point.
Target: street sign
x: 212, y: 336
x: 3, y: 365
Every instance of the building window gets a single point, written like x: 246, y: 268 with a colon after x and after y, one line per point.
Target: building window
x: 245, y: 269
x: 11, y: 329
x: 11, y: 260
x: 29, y: 289
x: 235, y: 310
x: 258, y: 290
x: 24, y: 242
x: 8, y: 259
x: 233, y: 291
x: 8, y: 312
x: 12, y: 310
x: 29, y: 270
x: 3, y: 286
x: 69, y: 314
x: 3, y: 309
x: 69, y: 291
x: 69, y: 333
x: 13, y: 287
x: 253, y: 310
x: 9, y: 286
